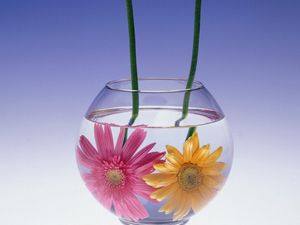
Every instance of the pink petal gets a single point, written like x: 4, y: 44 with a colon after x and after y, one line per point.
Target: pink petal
x: 108, y: 140
x: 85, y: 161
x: 141, y: 154
x: 95, y: 182
x: 133, y: 143
x: 137, y: 208
x: 89, y: 178
x: 146, y: 165
x: 87, y: 147
x: 144, y: 190
x: 119, y: 144
x: 153, y: 157
x: 122, y: 210
x: 104, y: 197
x: 150, y: 157
x: 107, y: 202
x: 130, y: 208
x: 99, y: 138
x: 92, y: 185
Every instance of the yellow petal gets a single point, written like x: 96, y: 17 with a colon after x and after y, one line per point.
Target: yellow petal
x: 207, y: 193
x: 170, y: 205
x: 196, y: 155
x: 165, y: 192
x: 174, y: 203
x: 165, y: 168
x: 172, y: 151
x: 202, y: 155
x: 195, y: 140
x: 214, y: 169
x: 157, y: 180
x: 214, y: 156
x: 161, y: 167
x: 173, y: 160
x: 197, y: 202
x: 184, y: 208
x: 220, y: 179
x: 180, y: 206
x: 187, y: 151
x: 211, y: 182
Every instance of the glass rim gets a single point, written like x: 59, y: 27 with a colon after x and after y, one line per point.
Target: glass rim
x: 196, y: 85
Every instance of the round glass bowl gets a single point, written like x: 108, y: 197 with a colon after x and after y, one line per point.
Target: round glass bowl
x: 160, y: 169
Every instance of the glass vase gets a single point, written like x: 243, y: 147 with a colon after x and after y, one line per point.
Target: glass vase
x: 162, y: 168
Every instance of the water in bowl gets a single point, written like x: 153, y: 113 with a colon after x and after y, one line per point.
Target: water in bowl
x: 159, y: 124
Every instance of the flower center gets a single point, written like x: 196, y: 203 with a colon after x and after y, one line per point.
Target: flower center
x: 189, y: 177
x: 114, y: 177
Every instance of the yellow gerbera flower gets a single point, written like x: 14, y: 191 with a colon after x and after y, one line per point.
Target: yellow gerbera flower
x: 188, y: 180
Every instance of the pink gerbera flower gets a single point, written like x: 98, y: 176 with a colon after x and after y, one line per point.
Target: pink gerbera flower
x: 116, y: 172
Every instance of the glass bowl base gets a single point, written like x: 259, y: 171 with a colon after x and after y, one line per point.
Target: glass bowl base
x: 126, y: 222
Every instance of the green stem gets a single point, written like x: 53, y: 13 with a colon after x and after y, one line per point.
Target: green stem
x: 193, y: 67
x: 133, y: 63
x: 190, y: 132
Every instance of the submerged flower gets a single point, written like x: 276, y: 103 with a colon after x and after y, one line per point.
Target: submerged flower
x: 189, y: 180
x: 115, y: 172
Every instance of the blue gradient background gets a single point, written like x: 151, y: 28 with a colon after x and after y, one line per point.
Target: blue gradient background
x: 56, y: 55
